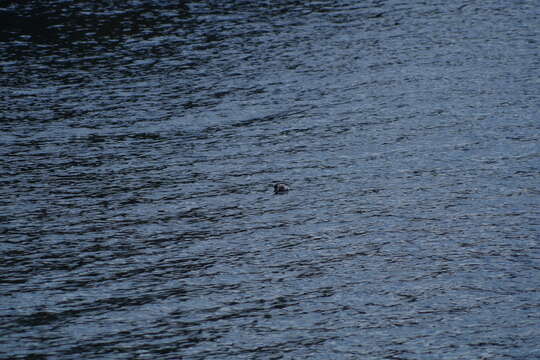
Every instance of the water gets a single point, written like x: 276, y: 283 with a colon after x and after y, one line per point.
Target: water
x: 140, y: 141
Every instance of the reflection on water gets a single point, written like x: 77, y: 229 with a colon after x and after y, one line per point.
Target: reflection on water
x: 141, y: 142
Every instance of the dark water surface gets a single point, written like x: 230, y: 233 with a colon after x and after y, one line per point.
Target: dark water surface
x: 140, y: 141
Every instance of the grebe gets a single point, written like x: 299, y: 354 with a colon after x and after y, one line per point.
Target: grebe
x: 280, y: 188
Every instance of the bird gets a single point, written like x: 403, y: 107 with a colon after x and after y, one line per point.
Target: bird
x: 280, y: 188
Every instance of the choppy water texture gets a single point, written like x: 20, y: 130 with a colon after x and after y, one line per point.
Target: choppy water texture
x: 140, y: 141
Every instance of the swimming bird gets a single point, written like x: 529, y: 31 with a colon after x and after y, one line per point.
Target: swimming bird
x: 280, y: 188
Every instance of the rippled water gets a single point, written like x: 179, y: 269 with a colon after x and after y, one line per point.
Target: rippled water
x: 141, y: 139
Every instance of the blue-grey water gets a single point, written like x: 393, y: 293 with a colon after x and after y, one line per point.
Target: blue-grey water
x: 140, y: 141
